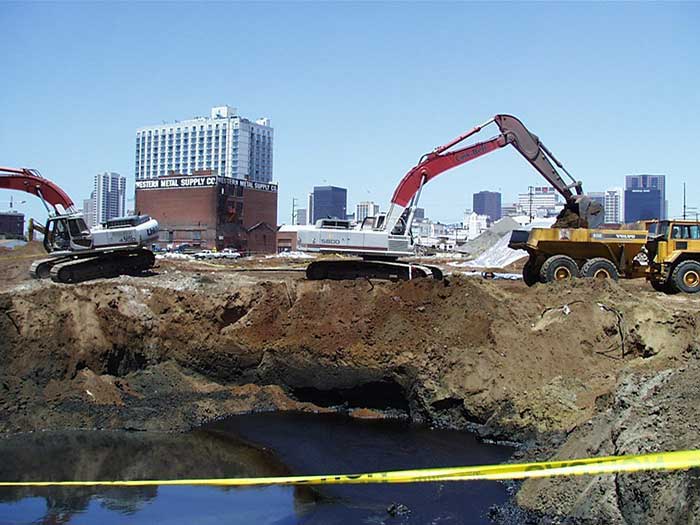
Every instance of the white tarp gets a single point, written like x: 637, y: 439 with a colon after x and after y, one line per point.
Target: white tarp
x: 498, y: 256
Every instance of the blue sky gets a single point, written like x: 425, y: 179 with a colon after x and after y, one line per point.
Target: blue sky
x: 358, y: 91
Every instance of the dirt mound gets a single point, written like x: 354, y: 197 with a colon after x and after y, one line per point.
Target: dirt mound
x: 15, y: 263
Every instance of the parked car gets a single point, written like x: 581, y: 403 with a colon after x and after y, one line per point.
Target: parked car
x: 229, y: 253
x: 206, y: 254
x: 183, y: 248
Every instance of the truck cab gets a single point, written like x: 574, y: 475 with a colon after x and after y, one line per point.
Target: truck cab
x: 673, y: 247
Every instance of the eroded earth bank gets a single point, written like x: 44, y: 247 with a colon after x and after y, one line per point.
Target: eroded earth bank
x: 567, y: 370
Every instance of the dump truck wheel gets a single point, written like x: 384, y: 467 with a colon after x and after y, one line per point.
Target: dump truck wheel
x: 558, y: 268
x: 686, y: 276
x: 531, y: 272
x: 600, y: 268
x: 665, y: 287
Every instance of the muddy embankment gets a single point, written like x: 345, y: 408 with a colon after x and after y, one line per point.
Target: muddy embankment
x: 571, y: 370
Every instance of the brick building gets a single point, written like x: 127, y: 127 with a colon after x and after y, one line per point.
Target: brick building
x: 207, y: 211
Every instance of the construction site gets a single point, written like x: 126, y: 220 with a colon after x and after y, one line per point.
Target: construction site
x: 562, y: 370
x: 351, y: 355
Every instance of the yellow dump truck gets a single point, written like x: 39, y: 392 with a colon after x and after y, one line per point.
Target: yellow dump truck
x: 561, y: 253
x: 674, y: 256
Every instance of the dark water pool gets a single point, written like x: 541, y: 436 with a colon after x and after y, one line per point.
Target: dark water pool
x: 252, y: 445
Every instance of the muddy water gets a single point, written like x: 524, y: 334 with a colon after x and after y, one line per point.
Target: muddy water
x: 254, y: 445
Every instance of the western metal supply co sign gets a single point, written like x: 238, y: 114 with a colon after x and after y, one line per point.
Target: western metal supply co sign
x: 200, y: 182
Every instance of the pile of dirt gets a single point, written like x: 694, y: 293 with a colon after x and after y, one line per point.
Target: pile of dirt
x: 15, y: 262
x: 553, y: 365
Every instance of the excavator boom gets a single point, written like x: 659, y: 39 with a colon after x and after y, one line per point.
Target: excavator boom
x: 76, y: 252
x: 513, y: 132
x: 381, y: 240
x: 29, y: 181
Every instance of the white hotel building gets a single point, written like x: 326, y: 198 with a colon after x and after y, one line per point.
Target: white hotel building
x: 228, y: 144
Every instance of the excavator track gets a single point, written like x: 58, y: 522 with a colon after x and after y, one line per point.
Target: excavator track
x: 41, y: 269
x: 370, y: 269
x: 111, y: 264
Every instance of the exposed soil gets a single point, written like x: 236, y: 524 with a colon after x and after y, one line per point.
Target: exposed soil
x: 570, y: 369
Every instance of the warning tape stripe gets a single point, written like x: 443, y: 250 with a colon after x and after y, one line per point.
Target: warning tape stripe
x: 679, y: 460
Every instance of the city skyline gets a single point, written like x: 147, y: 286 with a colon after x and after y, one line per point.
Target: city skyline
x: 369, y: 129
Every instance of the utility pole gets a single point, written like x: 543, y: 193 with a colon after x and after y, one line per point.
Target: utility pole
x: 684, y: 207
x: 294, y: 210
x: 530, y: 190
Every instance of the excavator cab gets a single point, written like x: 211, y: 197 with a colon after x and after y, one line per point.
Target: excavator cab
x: 67, y: 233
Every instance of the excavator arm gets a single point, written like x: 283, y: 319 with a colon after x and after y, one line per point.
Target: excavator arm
x: 513, y: 132
x: 29, y: 181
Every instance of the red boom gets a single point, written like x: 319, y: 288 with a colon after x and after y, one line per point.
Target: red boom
x: 437, y: 162
x: 24, y: 179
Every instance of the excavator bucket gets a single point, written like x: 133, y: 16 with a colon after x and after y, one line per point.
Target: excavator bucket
x: 583, y: 212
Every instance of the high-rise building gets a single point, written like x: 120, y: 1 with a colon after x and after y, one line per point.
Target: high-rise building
x: 89, y: 210
x: 643, y: 204
x: 108, y: 198
x: 301, y: 217
x: 366, y: 209
x: 540, y: 202
x: 614, y: 198
x: 310, y: 209
x: 225, y: 143
x: 487, y: 203
x: 651, y: 182
x: 329, y: 201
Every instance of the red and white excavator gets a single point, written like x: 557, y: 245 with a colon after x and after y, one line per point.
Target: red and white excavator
x: 381, y: 240
x: 76, y: 252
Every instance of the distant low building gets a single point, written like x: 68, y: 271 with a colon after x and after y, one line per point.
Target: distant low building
x: 475, y: 224
x: 12, y: 224
x: 366, y: 209
x: 510, y: 210
x: 542, y: 201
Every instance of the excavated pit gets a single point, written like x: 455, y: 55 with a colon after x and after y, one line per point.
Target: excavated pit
x: 546, y: 366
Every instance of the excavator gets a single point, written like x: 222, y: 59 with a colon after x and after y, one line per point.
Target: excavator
x: 76, y: 252
x: 380, y: 241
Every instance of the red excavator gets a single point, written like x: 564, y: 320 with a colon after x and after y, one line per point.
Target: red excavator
x: 381, y: 240
x: 77, y: 253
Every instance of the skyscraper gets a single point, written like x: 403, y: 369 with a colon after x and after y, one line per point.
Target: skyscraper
x: 108, y: 198
x: 487, y: 203
x: 614, y: 205
x: 651, y: 182
x: 226, y: 143
x: 329, y: 201
x: 643, y: 204
x: 89, y: 210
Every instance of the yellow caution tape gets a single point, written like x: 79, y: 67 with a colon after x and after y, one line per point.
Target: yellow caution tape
x: 681, y: 460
